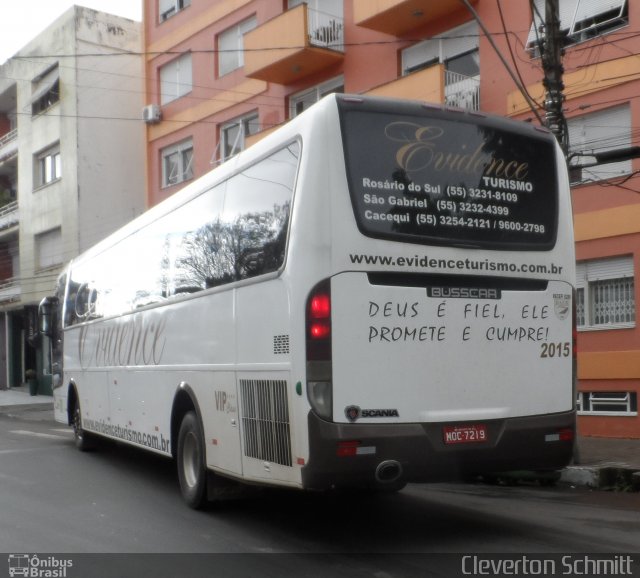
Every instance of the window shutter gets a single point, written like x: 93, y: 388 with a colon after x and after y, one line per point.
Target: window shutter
x: 440, y: 48
x: 566, y: 12
x: 460, y: 40
x: 599, y: 132
x: 49, y: 248
x: 590, y: 9
x: 581, y: 275
x: 419, y: 54
x: 613, y: 268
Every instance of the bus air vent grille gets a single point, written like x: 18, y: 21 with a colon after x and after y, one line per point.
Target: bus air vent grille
x: 280, y: 344
x: 265, y: 420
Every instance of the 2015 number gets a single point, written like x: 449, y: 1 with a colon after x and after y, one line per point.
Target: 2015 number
x: 555, y: 349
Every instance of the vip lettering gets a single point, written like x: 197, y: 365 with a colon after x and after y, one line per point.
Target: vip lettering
x: 225, y: 402
x: 221, y: 400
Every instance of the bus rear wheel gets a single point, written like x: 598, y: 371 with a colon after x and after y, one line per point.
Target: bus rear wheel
x: 192, y: 473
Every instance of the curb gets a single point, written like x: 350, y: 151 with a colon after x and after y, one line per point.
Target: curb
x: 28, y: 411
x: 26, y: 407
x: 612, y: 477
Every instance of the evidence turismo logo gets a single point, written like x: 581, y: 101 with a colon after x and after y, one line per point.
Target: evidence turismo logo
x: 34, y: 566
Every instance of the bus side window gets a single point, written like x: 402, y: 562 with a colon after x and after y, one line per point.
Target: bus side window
x: 257, y: 206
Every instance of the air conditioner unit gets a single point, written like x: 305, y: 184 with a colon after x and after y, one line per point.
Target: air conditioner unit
x: 151, y: 114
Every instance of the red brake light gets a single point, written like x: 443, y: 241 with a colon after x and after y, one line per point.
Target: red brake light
x: 320, y: 316
x: 320, y: 306
x: 320, y: 330
x: 318, y: 322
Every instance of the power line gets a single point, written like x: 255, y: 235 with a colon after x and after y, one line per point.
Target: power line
x: 521, y: 88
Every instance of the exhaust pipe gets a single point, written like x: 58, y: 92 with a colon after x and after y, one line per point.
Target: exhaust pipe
x: 388, y: 472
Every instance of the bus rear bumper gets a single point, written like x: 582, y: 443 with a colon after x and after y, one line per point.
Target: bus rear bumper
x: 379, y: 455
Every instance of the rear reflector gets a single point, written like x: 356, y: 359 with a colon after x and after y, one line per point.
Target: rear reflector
x: 347, y: 449
x: 563, y: 435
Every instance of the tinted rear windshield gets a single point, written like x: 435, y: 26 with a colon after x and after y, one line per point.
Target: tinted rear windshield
x: 437, y: 177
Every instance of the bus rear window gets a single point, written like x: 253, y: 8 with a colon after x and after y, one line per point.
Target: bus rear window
x: 437, y: 177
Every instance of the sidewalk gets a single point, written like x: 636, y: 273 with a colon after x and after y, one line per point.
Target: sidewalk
x: 17, y: 401
x: 602, y: 463
x: 605, y: 463
x: 20, y: 396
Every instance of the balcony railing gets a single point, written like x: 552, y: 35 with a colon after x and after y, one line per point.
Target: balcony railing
x: 461, y: 91
x: 10, y: 290
x: 9, y: 215
x: 325, y: 30
x: 11, y: 135
x: 9, y: 144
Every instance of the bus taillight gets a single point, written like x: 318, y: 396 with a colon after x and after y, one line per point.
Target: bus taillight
x: 320, y: 316
x: 319, y: 323
x: 319, y: 367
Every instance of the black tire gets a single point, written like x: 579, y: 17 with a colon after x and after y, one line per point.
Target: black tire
x: 84, y: 441
x: 192, y: 473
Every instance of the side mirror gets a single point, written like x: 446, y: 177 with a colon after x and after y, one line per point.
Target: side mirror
x: 47, y: 312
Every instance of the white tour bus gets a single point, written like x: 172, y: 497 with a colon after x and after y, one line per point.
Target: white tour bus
x: 379, y: 292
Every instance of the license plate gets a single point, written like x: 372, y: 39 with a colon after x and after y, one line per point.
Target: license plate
x: 465, y: 434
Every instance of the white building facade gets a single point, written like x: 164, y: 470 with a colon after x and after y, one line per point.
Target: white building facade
x: 71, y: 164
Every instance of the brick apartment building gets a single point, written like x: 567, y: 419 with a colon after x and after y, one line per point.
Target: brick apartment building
x: 220, y: 74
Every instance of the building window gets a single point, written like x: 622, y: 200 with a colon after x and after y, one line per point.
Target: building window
x: 45, y: 90
x: 598, y: 133
x: 48, y: 166
x: 177, y: 163
x: 580, y: 20
x: 169, y: 8
x: 608, y: 403
x: 234, y: 133
x: 458, y: 51
x: 175, y: 79
x: 301, y: 101
x: 231, y: 46
x: 48, y: 246
x: 605, y: 294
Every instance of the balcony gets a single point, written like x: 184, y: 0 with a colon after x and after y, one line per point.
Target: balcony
x: 436, y: 85
x: 295, y: 44
x: 10, y: 290
x: 9, y: 216
x: 8, y: 145
x: 399, y: 17
x: 461, y: 91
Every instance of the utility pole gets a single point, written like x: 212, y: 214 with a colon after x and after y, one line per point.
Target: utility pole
x: 552, y: 52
